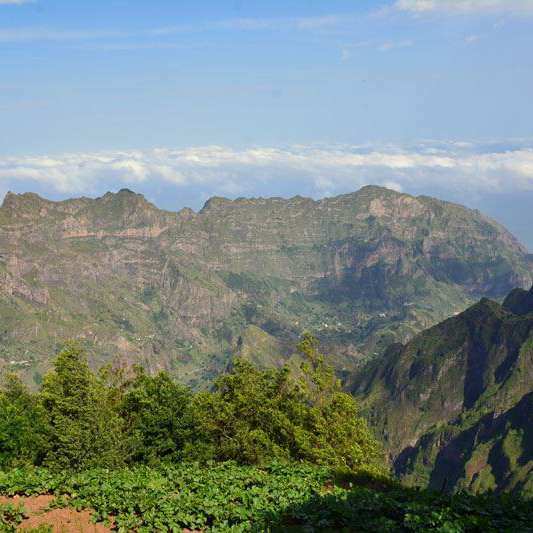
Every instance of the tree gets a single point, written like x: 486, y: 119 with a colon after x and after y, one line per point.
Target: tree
x: 83, y: 428
x: 255, y: 416
x: 243, y: 418
x: 155, y: 413
x: 339, y: 436
x: 21, y: 424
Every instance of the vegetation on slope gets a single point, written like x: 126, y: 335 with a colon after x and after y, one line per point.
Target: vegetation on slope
x: 455, y: 405
x: 179, y: 291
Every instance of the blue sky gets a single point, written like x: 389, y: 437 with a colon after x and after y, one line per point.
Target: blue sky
x: 182, y: 100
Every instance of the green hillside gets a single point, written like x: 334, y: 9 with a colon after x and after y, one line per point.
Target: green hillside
x: 455, y: 405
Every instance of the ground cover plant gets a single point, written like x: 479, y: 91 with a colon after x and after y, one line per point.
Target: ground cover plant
x: 280, y: 497
x: 10, y: 516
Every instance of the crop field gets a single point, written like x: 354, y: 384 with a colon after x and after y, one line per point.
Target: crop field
x: 228, y: 497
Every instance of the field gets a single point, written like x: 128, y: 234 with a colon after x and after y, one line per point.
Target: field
x: 228, y: 497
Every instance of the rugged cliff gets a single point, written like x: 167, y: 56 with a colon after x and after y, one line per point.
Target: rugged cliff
x: 184, y: 290
x: 455, y: 405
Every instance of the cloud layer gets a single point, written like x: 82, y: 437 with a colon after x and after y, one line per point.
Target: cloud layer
x: 311, y: 169
x: 467, y: 6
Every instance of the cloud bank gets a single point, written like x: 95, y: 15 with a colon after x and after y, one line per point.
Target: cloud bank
x: 516, y: 7
x: 317, y: 170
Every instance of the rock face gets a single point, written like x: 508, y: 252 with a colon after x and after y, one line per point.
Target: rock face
x: 455, y: 405
x: 181, y: 290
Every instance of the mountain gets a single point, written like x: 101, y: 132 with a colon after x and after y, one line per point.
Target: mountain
x: 185, y: 290
x: 455, y: 404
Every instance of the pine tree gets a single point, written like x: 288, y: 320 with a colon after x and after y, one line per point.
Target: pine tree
x: 83, y: 428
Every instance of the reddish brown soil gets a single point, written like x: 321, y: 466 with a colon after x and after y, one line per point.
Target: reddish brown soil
x: 61, y: 520
x: 65, y: 520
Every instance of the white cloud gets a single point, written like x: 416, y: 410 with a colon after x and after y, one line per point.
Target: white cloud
x: 40, y: 34
x: 14, y: 2
x: 392, y: 45
x: 347, y: 50
x: 313, y: 169
x: 280, y: 23
x: 516, y: 7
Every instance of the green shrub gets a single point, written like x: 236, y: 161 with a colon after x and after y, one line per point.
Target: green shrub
x: 256, y: 416
x: 10, y: 516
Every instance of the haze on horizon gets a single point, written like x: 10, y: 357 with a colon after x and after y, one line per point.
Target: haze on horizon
x: 183, y: 101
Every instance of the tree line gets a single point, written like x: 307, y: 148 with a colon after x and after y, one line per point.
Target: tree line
x: 81, y: 418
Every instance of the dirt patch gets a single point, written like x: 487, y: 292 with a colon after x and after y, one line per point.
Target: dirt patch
x: 64, y: 520
x: 32, y: 504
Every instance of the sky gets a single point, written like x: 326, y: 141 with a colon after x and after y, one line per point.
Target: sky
x: 183, y: 100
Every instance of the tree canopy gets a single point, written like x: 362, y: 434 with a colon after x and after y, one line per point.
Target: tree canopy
x: 81, y: 418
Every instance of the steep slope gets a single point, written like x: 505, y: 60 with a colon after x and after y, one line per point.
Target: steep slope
x: 455, y: 405
x: 181, y: 290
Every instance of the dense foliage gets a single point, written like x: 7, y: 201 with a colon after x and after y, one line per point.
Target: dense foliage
x: 21, y: 424
x: 255, y: 416
x: 82, y: 419
x: 282, y: 497
x: 82, y: 430
x: 265, y: 450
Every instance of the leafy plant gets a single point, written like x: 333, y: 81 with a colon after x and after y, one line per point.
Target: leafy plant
x: 228, y: 497
x: 10, y: 516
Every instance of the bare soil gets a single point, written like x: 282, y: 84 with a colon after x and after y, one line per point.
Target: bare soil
x: 64, y: 520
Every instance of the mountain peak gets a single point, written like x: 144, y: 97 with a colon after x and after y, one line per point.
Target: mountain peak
x: 123, y: 193
x: 215, y: 202
x: 25, y: 200
x: 519, y: 302
x: 378, y: 189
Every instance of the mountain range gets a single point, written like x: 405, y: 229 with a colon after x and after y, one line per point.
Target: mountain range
x: 184, y: 291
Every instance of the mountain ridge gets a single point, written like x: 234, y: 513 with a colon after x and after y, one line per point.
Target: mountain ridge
x: 177, y: 289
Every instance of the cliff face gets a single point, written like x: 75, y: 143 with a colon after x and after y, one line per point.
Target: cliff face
x: 181, y: 290
x: 455, y: 405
